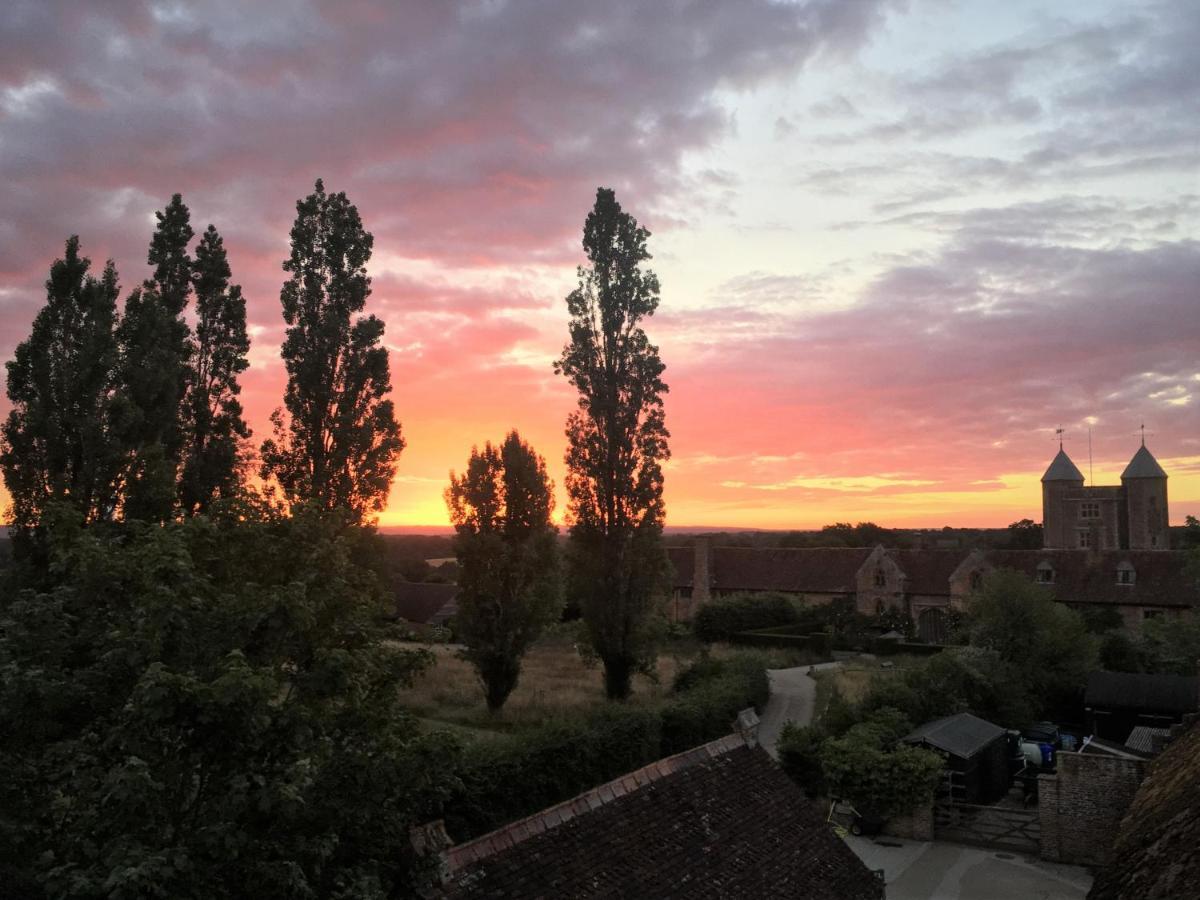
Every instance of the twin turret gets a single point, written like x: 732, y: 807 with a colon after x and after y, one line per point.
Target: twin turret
x: 1130, y: 517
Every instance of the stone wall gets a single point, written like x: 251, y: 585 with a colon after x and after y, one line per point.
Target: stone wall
x: 916, y: 826
x: 1081, y: 806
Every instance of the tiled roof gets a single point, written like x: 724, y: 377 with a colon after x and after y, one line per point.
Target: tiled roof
x: 1062, y: 469
x: 1157, y: 852
x: 1141, y: 691
x: 721, y: 820
x: 1143, y: 465
x: 962, y: 735
x: 826, y: 570
x: 1160, y: 576
x: 927, y: 571
x: 424, y: 604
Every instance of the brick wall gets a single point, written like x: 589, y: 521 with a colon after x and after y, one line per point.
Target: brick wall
x: 916, y: 826
x: 1081, y: 806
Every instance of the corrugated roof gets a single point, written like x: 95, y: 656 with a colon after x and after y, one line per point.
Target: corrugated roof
x: 962, y: 735
x: 719, y: 821
x: 1062, y: 469
x: 1143, y: 465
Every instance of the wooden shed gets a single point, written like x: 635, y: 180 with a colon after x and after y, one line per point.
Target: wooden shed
x: 975, y: 754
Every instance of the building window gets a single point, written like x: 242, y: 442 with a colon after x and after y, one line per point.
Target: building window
x: 1085, y: 539
x: 1045, y: 574
x: 880, y: 578
x: 1089, y: 510
x: 1125, y: 574
x: 976, y: 580
x: 1151, y: 614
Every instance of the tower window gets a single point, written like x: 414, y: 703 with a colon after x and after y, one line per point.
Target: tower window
x: 1089, y: 510
x: 1085, y: 539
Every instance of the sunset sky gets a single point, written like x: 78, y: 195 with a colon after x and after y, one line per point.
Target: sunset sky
x: 899, y: 242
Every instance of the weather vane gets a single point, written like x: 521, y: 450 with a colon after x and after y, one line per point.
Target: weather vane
x: 1058, y: 433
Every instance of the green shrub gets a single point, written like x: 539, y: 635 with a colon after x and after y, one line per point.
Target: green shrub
x: 720, y: 619
x: 801, y: 750
x: 709, y: 695
x: 503, y: 781
x: 868, y: 767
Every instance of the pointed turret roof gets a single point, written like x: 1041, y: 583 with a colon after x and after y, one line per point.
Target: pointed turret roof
x: 1143, y: 465
x: 1062, y: 469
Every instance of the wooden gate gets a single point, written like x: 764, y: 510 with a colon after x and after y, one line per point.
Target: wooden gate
x: 999, y: 827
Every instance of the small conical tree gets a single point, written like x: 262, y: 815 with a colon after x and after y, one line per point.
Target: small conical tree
x: 213, y: 428
x: 508, y: 587
x: 57, y: 442
x: 155, y: 348
x: 616, y: 443
x: 337, y: 443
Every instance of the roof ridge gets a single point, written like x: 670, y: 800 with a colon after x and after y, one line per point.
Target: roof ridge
x: 506, y: 836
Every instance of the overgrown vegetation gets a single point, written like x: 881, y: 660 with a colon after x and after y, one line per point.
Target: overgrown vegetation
x: 541, y: 766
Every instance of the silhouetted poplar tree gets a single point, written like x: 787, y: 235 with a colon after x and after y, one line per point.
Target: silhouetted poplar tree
x: 212, y: 416
x: 155, y: 351
x: 338, y: 441
x: 508, y: 585
x: 58, y: 444
x: 616, y: 442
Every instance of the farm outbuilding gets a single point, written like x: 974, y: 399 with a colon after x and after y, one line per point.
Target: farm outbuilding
x: 975, y: 752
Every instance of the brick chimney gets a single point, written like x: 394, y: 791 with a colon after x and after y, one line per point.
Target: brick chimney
x: 701, y: 570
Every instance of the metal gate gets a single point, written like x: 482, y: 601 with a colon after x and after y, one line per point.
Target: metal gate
x: 999, y: 827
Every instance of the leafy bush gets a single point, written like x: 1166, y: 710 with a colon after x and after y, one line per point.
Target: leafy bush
x: 720, y: 619
x: 207, y: 709
x: 507, y: 779
x: 708, y: 697
x: 879, y: 776
x: 801, y: 753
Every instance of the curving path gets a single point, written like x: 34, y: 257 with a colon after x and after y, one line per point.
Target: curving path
x: 792, y: 695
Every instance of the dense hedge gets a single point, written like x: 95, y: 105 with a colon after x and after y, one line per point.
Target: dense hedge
x: 788, y: 637
x: 709, y: 697
x: 720, y: 619
x: 506, y: 779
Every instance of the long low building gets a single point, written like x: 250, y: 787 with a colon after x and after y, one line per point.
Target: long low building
x: 1139, y: 584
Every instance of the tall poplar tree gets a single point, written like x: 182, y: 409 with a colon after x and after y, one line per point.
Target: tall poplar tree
x: 155, y: 344
x: 508, y: 586
x: 213, y: 427
x: 57, y: 442
x: 616, y: 443
x: 337, y: 443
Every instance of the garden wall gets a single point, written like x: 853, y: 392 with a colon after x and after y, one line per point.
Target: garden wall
x: 1081, y: 806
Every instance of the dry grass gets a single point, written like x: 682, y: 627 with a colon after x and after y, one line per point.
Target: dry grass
x: 554, y: 681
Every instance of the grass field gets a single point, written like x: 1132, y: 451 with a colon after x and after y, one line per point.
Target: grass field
x: 554, y: 681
